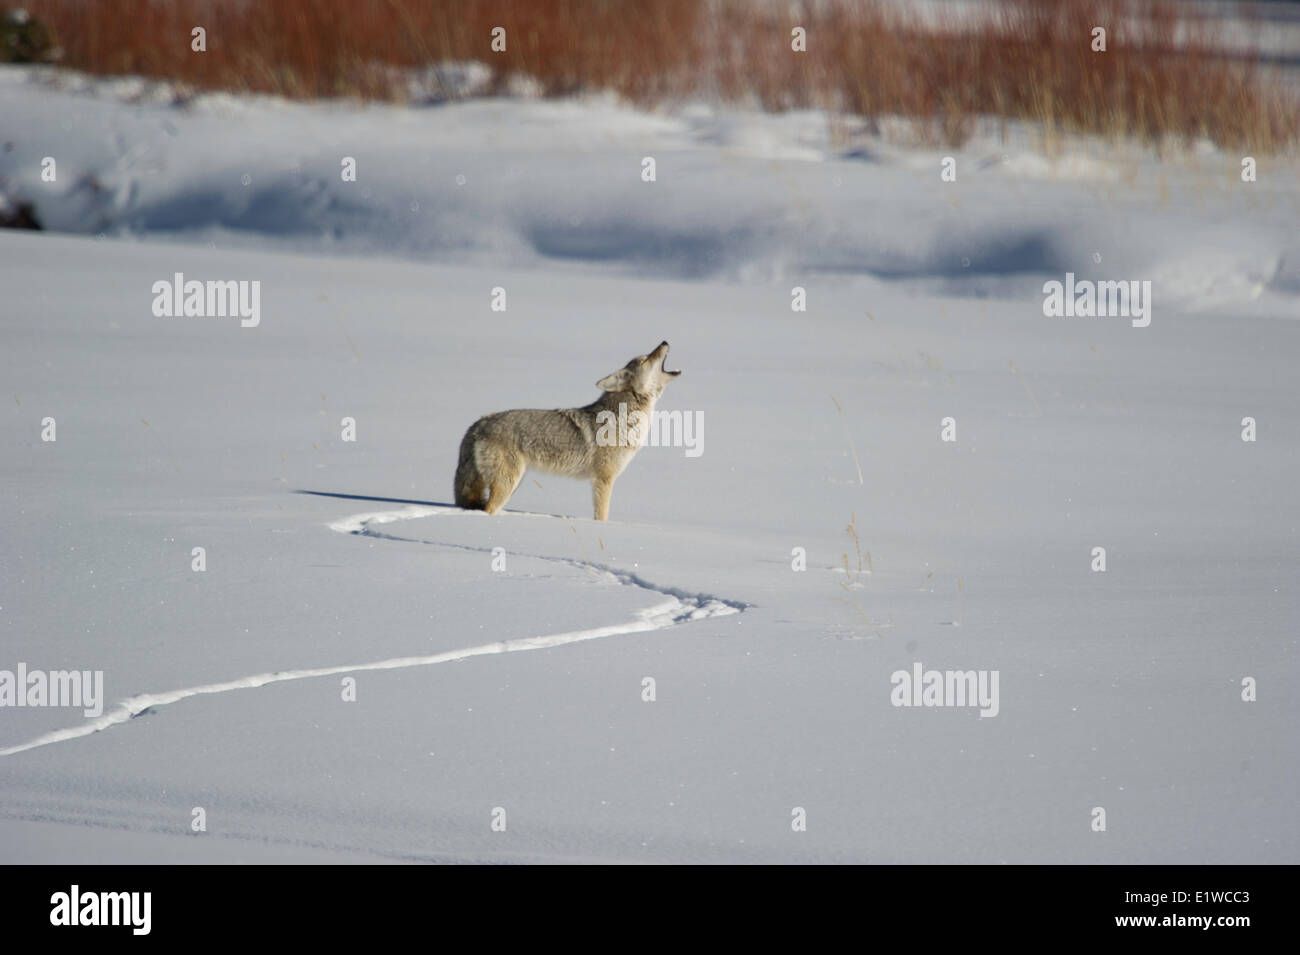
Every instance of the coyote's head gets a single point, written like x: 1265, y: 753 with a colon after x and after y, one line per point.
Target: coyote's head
x: 644, y: 375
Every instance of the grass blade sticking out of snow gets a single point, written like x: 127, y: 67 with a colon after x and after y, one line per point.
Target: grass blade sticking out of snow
x: 847, y: 435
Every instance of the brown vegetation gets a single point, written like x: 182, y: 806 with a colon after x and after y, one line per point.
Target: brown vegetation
x: 1162, y: 77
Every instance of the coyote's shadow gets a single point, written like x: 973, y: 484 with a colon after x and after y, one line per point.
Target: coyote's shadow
x: 382, y: 500
x: 447, y: 505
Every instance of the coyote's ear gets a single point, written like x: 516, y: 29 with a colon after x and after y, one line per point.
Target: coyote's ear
x: 618, y: 381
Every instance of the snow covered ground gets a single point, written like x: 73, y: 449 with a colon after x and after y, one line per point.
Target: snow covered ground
x: 522, y: 689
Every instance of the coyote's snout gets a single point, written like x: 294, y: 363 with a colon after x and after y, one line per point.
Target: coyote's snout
x: 594, y: 442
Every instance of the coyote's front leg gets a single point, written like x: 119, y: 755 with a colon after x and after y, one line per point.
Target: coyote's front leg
x: 601, y: 488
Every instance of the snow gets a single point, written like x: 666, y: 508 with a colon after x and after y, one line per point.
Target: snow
x: 523, y: 688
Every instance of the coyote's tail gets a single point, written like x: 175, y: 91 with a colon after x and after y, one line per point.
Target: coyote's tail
x: 469, y: 489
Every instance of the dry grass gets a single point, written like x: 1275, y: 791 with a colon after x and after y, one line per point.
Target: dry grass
x: 1160, y: 80
x: 1161, y: 77
x: 320, y: 48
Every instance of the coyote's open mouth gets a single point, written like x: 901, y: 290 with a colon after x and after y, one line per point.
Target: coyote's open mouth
x: 663, y: 362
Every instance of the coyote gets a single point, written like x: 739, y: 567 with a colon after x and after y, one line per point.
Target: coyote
x: 596, y: 441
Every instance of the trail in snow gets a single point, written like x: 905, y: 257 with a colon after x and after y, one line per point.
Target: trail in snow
x: 701, y: 605
x: 678, y: 607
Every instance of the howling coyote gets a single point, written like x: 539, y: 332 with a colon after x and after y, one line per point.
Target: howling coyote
x: 596, y: 441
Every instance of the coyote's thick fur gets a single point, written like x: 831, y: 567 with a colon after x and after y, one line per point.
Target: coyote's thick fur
x: 595, y: 442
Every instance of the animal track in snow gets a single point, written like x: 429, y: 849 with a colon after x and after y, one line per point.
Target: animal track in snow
x: 677, y: 607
